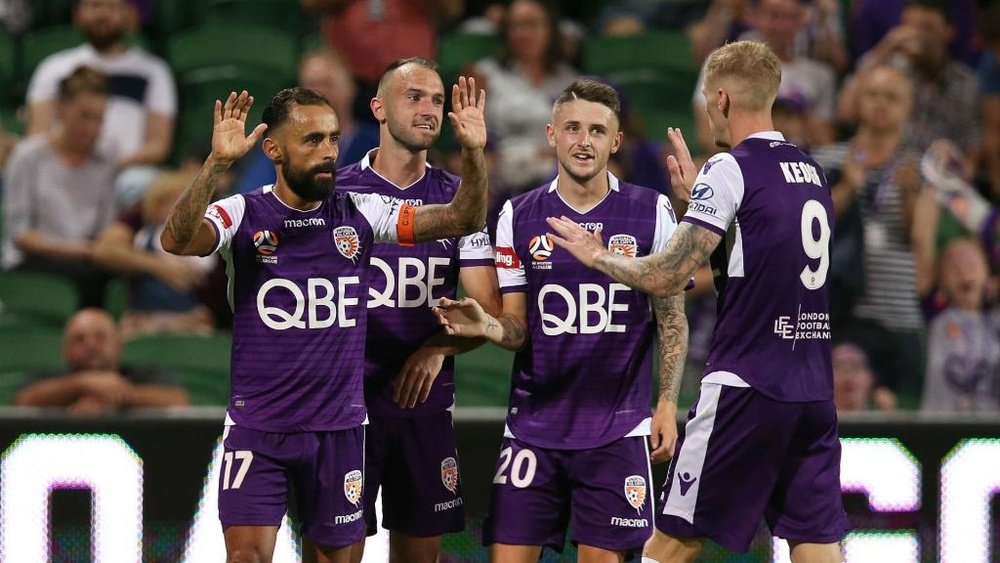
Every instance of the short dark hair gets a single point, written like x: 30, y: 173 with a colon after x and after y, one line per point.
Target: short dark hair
x: 399, y: 63
x: 277, y: 110
x: 938, y: 6
x: 83, y: 79
x: 591, y: 91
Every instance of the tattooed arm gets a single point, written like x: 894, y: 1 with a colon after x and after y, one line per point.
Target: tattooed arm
x: 672, y: 334
x: 662, y: 274
x: 466, y: 213
x: 187, y: 231
x: 467, y: 318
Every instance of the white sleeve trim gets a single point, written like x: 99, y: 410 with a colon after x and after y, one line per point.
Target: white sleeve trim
x: 382, y: 213
x: 226, y: 215
x: 717, y: 192
x: 510, y: 270
x: 666, y: 223
x: 475, y: 246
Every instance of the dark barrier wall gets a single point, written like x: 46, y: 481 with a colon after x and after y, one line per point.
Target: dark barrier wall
x: 916, y: 489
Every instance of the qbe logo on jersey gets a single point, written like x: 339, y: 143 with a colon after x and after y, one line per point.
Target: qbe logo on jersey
x: 540, y: 248
x: 635, y: 491
x: 266, y: 243
x: 449, y: 474
x: 347, y: 242
x: 623, y: 245
x: 353, y: 483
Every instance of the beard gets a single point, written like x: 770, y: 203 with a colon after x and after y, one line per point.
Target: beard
x: 101, y: 39
x: 304, y: 183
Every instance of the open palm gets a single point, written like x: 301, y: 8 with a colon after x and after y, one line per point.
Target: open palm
x: 466, y: 114
x: 229, y: 138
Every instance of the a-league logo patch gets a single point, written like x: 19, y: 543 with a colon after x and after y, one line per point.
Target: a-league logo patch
x: 635, y: 491
x: 449, y: 474
x: 353, y: 483
x: 624, y: 245
x: 540, y: 248
x: 347, y: 242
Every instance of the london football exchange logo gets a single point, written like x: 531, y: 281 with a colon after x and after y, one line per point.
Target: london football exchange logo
x: 347, y: 242
x: 353, y: 483
x: 635, y: 491
x: 449, y: 474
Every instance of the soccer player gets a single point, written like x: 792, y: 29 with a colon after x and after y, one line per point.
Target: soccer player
x: 298, y: 256
x: 761, y: 441
x: 574, y: 448
x: 409, y: 374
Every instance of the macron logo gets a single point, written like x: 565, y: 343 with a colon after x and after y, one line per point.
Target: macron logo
x: 686, y: 480
x: 310, y: 222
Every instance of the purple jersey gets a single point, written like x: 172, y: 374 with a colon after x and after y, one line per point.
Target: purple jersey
x: 298, y: 281
x: 772, y: 205
x: 583, y: 378
x: 404, y: 283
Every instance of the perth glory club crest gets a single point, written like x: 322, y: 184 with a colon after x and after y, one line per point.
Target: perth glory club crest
x: 449, y: 474
x: 353, y: 483
x: 635, y: 491
x: 624, y: 245
x: 347, y: 242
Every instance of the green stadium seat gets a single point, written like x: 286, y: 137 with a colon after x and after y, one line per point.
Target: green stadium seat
x: 10, y: 384
x: 281, y: 14
x: 8, y: 59
x: 482, y: 377
x: 44, y: 297
x: 201, y: 363
x: 661, y: 99
x: 661, y: 50
x: 219, y: 45
x: 41, y: 43
x: 26, y: 348
x: 48, y: 13
x: 459, y: 50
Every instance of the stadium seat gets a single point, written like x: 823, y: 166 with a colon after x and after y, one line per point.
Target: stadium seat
x: 219, y: 45
x: 662, y: 50
x: 659, y: 100
x: 43, y: 297
x: 48, y: 13
x: 10, y: 384
x: 27, y: 347
x: 8, y: 60
x: 483, y: 377
x: 201, y: 363
x: 459, y: 50
x: 280, y: 14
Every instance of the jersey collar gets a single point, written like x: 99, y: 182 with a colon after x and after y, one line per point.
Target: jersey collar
x: 612, y: 183
x: 768, y: 136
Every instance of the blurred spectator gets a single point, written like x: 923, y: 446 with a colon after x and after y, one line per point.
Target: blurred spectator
x: 522, y: 86
x: 853, y: 379
x: 637, y: 160
x: 372, y: 34
x: 162, y: 287
x: 963, y: 363
x: 324, y: 71
x: 789, y: 116
x: 15, y: 15
x: 821, y: 38
x: 777, y: 23
x: 94, y: 382
x: 872, y: 175
x: 139, y: 130
x: 989, y: 86
x: 946, y: 103
x: 59, y: 191
x: 871, y: 20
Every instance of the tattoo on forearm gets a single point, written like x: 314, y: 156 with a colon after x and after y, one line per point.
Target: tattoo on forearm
x: 185, y: 217
x: 672, y: 332
x: 511, y: 331
x: 467, y: 211
x: 665, y: 272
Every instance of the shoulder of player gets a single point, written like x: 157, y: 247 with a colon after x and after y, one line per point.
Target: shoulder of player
x: 640, y: 194
x: 347, y: 176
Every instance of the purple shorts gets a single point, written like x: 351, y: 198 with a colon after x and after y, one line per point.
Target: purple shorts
x: 602, y: 492
x: 745, y: 456
x: 415, y: 462
x: 322, y: 469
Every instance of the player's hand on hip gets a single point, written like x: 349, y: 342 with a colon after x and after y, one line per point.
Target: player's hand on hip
x: 415, y: 379
x: 462, y: 318
x: 466, y: 114
x: 680, y: 165
x: 229, y: 138
x: 663, y: 432
x: 585, y: 246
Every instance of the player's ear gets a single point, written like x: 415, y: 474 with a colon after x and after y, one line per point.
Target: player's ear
x: 616, y: 142
x: 725, y: 102
x: 378, y: 110
x: 272, y: 150
x: 550, y: 133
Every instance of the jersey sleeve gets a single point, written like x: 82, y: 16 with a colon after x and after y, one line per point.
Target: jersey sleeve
x: 716, y: 195
x: 666, y: 223
x: 390, y: 218
x: 475, y: 249
x: 225, y: 215
x: 510, y: 271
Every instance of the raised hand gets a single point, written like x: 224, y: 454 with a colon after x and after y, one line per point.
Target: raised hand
x: 680, y: 165
x: 585, y: 246
x: 462, y: 318
x: 466, y: 114
x: 229, y: 138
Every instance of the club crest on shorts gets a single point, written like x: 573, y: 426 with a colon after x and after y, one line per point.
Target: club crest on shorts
x: 624, y: 245
x: 353, y: 483
x: 449, y: 474
x: 635, y: 491
x: 346, y: 240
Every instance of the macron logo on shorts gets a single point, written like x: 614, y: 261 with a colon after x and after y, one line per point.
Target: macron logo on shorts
x: 686, y: 480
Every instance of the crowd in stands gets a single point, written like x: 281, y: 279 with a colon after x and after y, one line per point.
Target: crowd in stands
x: 109, y: 128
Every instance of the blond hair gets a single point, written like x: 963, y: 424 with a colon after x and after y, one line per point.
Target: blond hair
x: 753, y: 69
